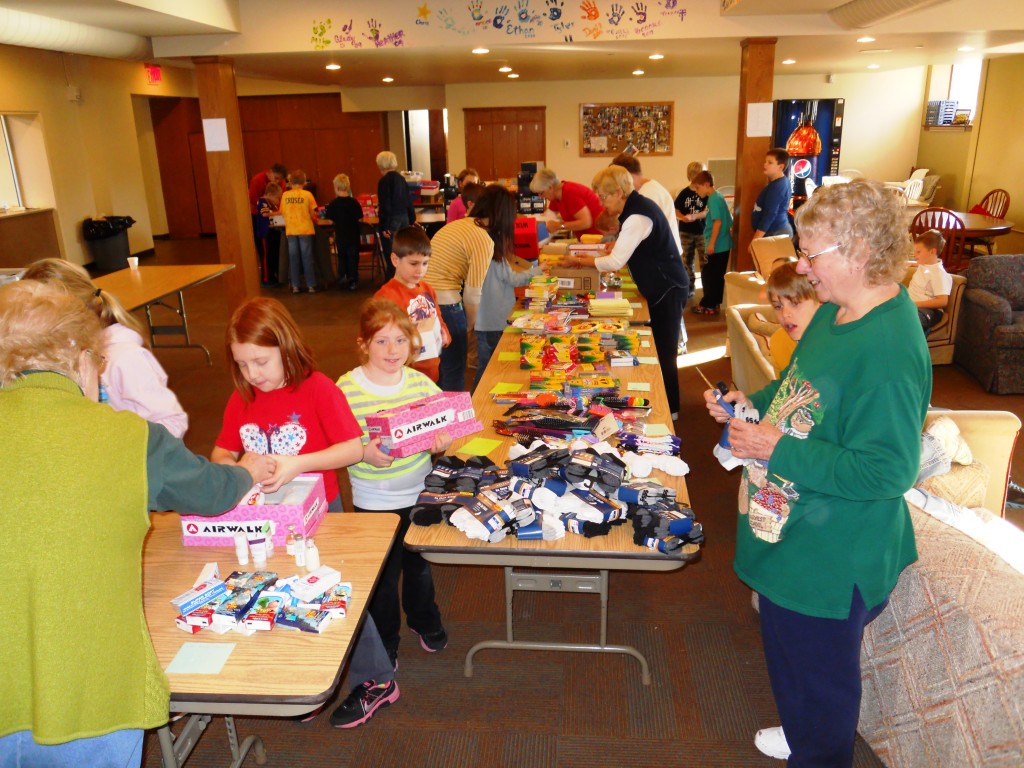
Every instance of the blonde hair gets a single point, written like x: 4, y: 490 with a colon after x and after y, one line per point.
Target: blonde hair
x: 342, y: 183
x: 693, y: 169
x: 78, y: 283
x: 612, y: 178
x: 386, y: 161
x: 45, y: 328
x: 863, y: 217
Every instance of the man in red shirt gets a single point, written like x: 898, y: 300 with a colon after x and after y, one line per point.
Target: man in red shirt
x: 576, y: 204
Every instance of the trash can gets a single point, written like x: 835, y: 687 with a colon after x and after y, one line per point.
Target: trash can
x: 107, y: 240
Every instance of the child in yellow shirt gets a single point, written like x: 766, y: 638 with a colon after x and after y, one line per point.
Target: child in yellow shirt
x: 795, y: 302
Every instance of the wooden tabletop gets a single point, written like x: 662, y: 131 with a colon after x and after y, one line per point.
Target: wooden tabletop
x: 444, y: 543
x: 278, y: 666
x: 138, y: 287
x: 975, y: 224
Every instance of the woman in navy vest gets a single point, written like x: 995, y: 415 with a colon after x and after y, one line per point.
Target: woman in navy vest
x: 646, y: 244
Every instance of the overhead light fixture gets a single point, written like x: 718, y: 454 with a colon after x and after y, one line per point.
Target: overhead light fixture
x: 333, y: 67
x: 506, y: 68
x: 873, y: 66
x: 638, y: 71
x: 387, y: 79
x: 965, y: 48
x: 865, y: 39
x: 512, y: 75
x: 876, y: 50
x: 789, y: 61
x: 656, y: 56
x: 481, y: 51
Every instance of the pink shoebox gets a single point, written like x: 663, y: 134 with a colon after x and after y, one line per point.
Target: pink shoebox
x: 301, y: 503
x: 410, y: 428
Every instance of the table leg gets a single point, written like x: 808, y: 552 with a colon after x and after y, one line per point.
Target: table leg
x: 177, y: 329
x: 175, y: 749
x: 529, y: 581
x: 239, y: 753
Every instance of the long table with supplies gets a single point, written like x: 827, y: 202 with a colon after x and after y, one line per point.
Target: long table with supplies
x: 279, y: 673
x: 595, y: 557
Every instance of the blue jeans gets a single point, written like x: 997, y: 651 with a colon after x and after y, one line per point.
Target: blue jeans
x: 486, y: 341
x: 301, y: 247
x: 452, y: 377
x: 120, y: 749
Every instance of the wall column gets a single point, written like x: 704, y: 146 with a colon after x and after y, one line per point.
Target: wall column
x: 757, y: 71
x: 215, y: 79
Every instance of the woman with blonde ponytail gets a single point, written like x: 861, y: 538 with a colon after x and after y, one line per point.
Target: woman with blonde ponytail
x: 132, y: 378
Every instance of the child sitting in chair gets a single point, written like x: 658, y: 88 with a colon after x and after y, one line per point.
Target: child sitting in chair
x: 931, y: 285
x: 795, y: 302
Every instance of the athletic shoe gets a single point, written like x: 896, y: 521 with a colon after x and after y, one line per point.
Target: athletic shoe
x: 309, y: 716
x: 432, y: 642
x: 363, y: 702
x: 295, y: 289
x: 352, y: 286
x: 312, y: 290
x: 772, y: 742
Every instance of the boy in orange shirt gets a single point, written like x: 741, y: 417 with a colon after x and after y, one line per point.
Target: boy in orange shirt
x: 410, y: 254
x: 299, y: 209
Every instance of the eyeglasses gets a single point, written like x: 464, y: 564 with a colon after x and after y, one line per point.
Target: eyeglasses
x: 812, y: 256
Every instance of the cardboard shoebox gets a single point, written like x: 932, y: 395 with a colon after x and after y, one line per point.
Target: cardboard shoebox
x: 577, y: 279
x: 411, y: 428
x: 301, y: 503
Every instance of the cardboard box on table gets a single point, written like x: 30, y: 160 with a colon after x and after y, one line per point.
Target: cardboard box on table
x: 577, y: 279
x: 305, y: 511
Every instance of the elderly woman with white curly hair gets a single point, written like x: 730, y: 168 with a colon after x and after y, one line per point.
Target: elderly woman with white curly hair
x: 824, y: 531
x: 80, y: 678
x: 394, y: 205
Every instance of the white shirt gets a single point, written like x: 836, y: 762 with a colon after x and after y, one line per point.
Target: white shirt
x: 653, y: 191
x: 929, y: 281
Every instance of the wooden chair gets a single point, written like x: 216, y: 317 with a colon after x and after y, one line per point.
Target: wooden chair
x: 996, y: 203
x: 952, y: 229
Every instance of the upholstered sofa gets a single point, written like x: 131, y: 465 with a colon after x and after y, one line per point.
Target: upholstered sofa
x: 990, y: 337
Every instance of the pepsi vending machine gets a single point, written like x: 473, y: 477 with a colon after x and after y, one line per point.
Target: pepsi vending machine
x: 811, y: 131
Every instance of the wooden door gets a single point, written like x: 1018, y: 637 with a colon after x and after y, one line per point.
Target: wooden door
x: 531, y: 134
x: 174, y: 120
x: 499, y: 140
x: 480, y: 142
x: 201, y: 179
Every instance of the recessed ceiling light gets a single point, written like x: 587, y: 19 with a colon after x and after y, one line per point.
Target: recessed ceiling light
x: 638, y: 71
x: 333, y: 66
x: 873, y: 66
x: 479, y: 51
x: 876, y: 50
x: 965, y: 48
x: 789, y: 61
x: 865, y: 39
x: 512, y: 75
x: 656, y: 56
x: 388, y: 79
x: 506, y: 68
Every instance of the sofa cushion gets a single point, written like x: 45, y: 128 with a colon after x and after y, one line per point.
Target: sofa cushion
x: 964, y: 484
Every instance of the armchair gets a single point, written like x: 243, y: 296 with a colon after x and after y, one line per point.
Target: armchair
x: 942, y: 337
x: 746, y: 287
x: 990, y: 337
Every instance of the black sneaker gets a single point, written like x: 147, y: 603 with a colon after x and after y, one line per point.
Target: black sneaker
x: 432, y: 642
x: 363, y: 702
x: 1015, y: 495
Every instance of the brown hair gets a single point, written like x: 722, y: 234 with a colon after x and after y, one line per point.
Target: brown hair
x: 932, y: 240
x: 498, y: 206
x: 704, y: 177
x: 471, y: 193
x: 786, y: 283
x: 46, y: 328
x: 266, y: 323
x: 273, y: 189
x: 297, y: 177
x: 629, y: 162
x: 464, y: 173
x: 78, y: 283
x: 377, y: 314
x: 781, y: 156
x: 409, y: 240
x: 342, y: 183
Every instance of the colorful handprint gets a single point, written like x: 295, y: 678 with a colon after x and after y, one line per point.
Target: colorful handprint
x: 639, y: 13
x: 476, y: 10
x: 555, y: 9
x: 500, y: 15
x: 590, y: 12
x: 616, y: 14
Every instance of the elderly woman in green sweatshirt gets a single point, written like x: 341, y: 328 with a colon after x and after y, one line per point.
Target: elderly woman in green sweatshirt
x: 81, y: 681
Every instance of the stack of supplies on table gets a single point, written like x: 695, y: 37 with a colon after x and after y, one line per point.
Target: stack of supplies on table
x: 554, y: 321
x: 547, y: 492
x: 540, y: 292
x: 610, y: 304
x: 251, y: 601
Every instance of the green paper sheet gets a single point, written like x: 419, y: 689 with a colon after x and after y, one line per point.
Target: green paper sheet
x: 657, y: 430
x: 638, y: 386
x: 478, y: 446
x: 647, y: 360
x: 200, y: 658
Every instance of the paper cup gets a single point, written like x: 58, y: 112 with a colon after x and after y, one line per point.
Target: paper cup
x: 133, y: 262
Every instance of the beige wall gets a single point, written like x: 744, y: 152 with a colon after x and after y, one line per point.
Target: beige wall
x: 999, y: 161
x: 945, y: 152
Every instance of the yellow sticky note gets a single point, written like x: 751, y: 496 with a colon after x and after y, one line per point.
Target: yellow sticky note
x: 508, y: 357
x: 479, y: 446
x: 629, y: 294
x: 644, y: 332
x: 645, y: 343
x: 657, y: 430
x: 518, y: 313
x: 503, y: 387
x: 647, y: 360
x: 638, y: 386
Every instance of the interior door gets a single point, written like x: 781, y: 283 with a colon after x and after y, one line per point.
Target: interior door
x: 201, y: 179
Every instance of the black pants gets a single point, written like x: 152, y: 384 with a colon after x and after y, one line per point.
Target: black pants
x: 665, y: 318
x: 713, y: 278
x: 417, y: 596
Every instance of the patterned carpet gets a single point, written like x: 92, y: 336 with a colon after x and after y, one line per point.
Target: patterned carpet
x: 709, y: 693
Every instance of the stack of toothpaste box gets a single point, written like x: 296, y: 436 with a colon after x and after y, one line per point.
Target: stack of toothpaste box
x: 251, y: 601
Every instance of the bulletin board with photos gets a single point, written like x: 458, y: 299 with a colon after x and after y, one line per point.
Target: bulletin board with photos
x: 608, y: 129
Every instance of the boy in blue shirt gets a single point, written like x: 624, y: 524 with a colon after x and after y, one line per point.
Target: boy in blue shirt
x: 718, y: 243
x: 771, y: 211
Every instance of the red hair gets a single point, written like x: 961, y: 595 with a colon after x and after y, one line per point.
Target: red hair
x: 266, y: 323
x: 378, y: 314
